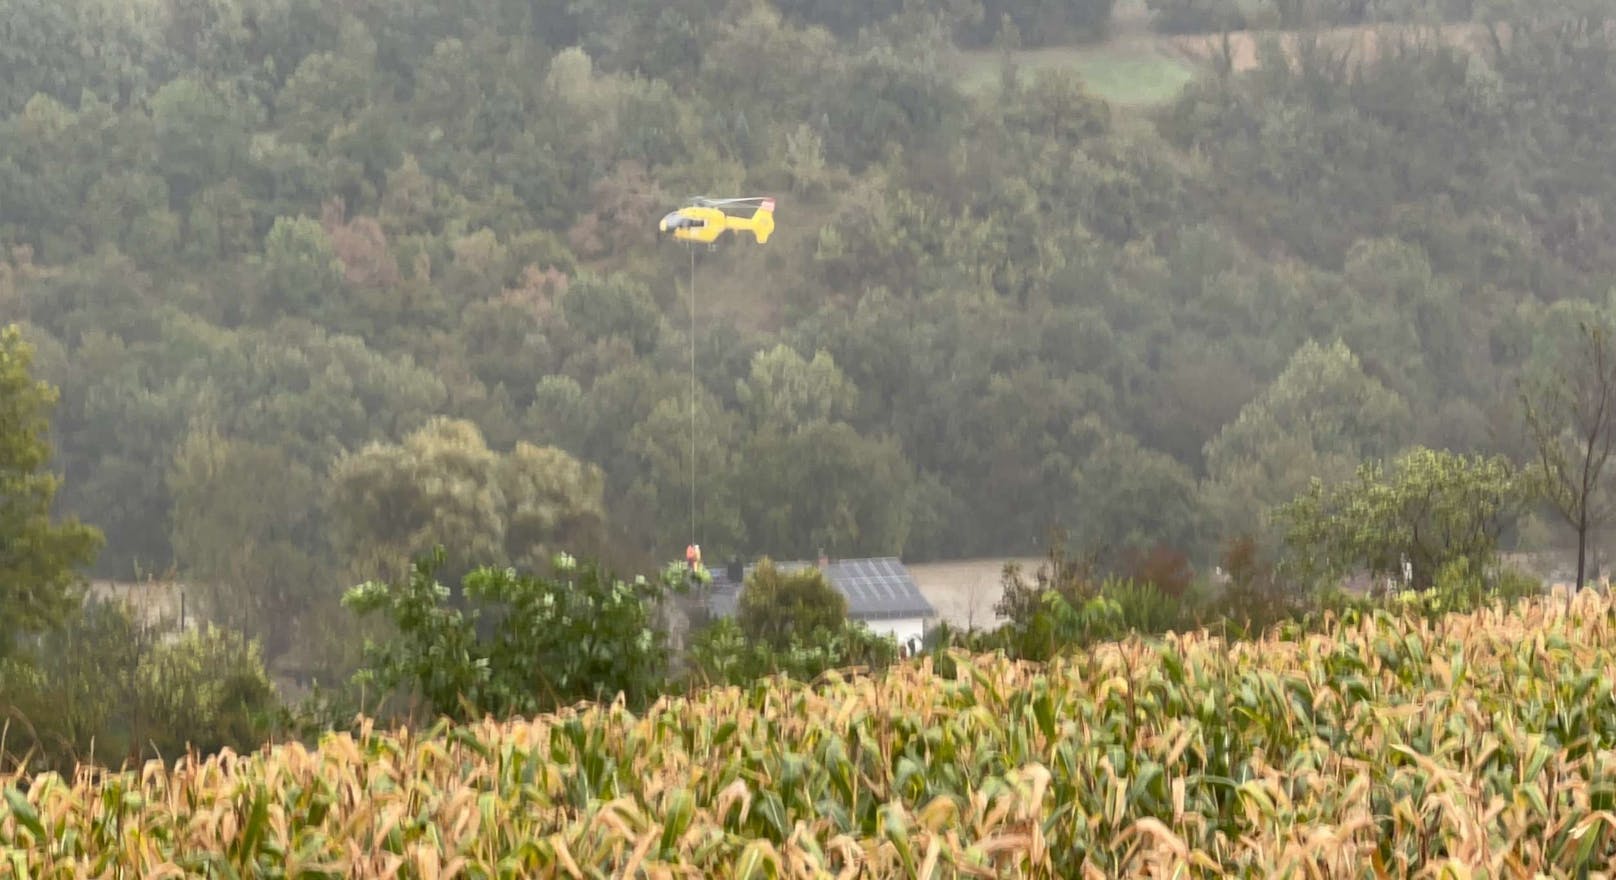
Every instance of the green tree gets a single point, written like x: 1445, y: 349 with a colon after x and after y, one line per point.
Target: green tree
x: 116, y: 684
x: 35, y: 53
x: 247, y: 532
x: 391, y: 502
x: 1320, y: 417
x: 776, y: 606
x: 844, y: 18
x: 130, y: 212
x: 522, y: 644
x: 1060, y: 606
x: 444, y: 486
x: 206, y: 689
x: 1570, y: 411
x: 659, y: 499
x: 784, y: 391
x: 301, y: 270
x: 824, y: 486
x: 198, y: 136
x: 1407, y: 520
x: 40, y: 582
x: 722, y: 654
x: 1131, y: 497
x: 599, y: 308
x: 553, y: 502
x: 1193, y: 16
x: 220, y: 224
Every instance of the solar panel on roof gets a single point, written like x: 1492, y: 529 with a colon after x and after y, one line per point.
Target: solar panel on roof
x: 875, y: 588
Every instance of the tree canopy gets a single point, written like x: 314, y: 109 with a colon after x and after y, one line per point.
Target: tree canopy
x: 323, y: 285
x: 41, y: 560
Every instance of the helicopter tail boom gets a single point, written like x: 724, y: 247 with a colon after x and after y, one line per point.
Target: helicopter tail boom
x: 761, y: 222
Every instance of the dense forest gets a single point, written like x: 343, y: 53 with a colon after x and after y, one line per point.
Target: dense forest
x: 324, y: 284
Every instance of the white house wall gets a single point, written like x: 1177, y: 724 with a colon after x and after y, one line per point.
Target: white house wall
x: 900, y: 628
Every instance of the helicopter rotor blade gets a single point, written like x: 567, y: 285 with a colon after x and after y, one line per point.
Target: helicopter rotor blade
x: 707, y: 201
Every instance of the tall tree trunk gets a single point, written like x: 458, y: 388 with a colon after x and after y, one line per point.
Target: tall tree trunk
x: 1582, y: 556
x: 1582, y: 553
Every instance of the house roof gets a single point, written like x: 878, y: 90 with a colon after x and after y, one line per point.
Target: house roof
x: 876, y: 589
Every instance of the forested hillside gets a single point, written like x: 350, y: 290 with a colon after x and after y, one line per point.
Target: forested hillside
x: 323, y: 283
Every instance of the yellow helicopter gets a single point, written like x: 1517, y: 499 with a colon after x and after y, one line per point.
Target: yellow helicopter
x: 703, y: 219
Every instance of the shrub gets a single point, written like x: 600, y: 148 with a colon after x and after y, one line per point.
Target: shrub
x: 1254, y: 598
x: 722, y: 654
x: 774, y: 606
x: 1166, y: 569
x: 523, y: 645
x: 108, y: 688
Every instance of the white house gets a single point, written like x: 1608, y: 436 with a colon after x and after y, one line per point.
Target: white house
x: 880, y: 593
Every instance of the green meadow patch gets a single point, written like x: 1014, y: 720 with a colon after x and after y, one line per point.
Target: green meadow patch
x: 1131, y: 73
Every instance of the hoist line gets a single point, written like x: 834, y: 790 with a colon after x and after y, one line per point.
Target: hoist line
x: 692, y: 394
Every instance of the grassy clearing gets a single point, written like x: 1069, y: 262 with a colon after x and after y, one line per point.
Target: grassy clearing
x: 1134, y: 67
x: 1125, y: 72
x: 1137, y: 67
x: 1380, y: 746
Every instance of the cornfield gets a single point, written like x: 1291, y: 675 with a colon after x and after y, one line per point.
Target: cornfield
x: 1476, y: 745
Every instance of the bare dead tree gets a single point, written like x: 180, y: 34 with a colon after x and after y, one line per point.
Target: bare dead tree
x: 1571, y: 414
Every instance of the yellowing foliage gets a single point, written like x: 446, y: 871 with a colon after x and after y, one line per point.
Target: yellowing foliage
x: 1477, y: 745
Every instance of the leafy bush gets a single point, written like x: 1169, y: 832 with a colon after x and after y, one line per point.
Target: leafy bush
x: 206, y: 690
x: 1145, y: 607
x: 524, y: 643
x: 1254, y: 597
x: 1460, y: 589
x: 1068, y: 604
x: 722, y: 654
x: 778, y: 607
x: 1057, y: 624
x: 1069, y: 576
x: 109, y: 688
x: 1162, y: 567
x: 1410, y: 519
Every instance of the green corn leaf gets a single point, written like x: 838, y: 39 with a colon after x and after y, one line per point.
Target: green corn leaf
x: 26, y: 815
x: 679, y: 808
